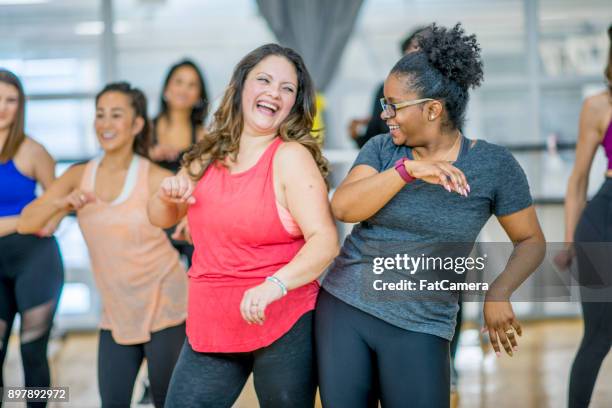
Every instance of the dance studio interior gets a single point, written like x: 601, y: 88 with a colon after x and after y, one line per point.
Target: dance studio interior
x: 541, y: 60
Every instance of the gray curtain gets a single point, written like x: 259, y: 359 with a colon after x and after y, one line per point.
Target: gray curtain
x: 317, y: 29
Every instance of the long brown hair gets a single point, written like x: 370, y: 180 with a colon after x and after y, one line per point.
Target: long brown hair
x: 608, y: 70
x: 223, y: 138
x: 16, y: 134
x: 138, y: 101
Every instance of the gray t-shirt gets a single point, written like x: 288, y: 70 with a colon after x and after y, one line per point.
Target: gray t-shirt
x: 424, y: 213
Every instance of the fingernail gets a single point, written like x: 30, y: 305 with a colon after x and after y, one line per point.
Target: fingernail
x: 515, y: 348
x: 468, y: 188
x: 483, y: 330
x: 498, y: 354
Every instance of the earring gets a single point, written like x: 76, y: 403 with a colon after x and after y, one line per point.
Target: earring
x: 431, y: 118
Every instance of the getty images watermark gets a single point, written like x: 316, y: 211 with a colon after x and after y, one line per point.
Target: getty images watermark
x: 408, y: 265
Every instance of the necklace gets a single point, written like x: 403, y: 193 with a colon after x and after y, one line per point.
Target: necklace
x: 418, y: 157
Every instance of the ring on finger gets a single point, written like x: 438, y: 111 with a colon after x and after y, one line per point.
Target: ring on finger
x: 509, y: 332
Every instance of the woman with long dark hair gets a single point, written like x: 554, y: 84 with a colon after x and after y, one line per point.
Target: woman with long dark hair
x: 588, y: 235
x: 256, y: 199
x: 138, y: 274
x: 31, y: 270
x: 178, y: 125
x: 183, y: 110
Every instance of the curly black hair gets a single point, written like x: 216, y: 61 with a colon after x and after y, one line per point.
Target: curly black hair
x: 445, y: 68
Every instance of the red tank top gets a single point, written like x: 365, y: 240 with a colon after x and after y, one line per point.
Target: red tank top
x: 239, y: 240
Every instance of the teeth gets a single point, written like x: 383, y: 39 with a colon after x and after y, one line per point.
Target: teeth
x: 268, y: 105
x: 393, y: 127
x: 108, y: 135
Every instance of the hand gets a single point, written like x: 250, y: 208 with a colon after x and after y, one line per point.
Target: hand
x: 355, y: 125
x: 164, y: 152
x: 182, y: 232
x: 563, y: 259
x: 501, y: 324
x: 177, y: 189
x: 256, y: 299
x: 439, y: 172
x: 76, y: 200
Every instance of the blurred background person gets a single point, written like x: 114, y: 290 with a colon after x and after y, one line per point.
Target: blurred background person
x: 587, y: 226
x: 362, y: 130
x: 179, y: 124
x: 31, y: 270
x: 142, y: 283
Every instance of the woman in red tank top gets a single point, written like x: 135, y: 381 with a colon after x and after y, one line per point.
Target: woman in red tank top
x: 256, y: 200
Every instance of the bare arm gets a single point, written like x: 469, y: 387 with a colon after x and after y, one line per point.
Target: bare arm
x: 365, y: 191
x: 8, y: 225
x: 170, y: 200
x: 306, y: 196
x: 524, y: 231
x: 59, y: 199
x: 589, y: 137
x: 44, y: 166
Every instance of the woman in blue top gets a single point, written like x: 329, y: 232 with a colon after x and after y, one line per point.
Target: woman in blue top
x: 422, y: 183
x: 31, y: 272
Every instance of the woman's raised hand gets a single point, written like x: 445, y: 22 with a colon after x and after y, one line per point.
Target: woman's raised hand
x: 177, y: 189
x: 439, y: 172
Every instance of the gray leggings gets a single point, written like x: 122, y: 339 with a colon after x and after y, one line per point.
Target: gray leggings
x: 363, y: 360
x: 284, y: 373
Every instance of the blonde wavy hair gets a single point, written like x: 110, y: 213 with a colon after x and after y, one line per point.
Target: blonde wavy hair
x: 223, y: 137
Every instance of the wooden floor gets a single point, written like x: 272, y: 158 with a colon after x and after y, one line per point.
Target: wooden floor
x: 535, y: 377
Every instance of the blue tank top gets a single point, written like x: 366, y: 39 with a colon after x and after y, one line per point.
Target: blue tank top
x: 16, y: 190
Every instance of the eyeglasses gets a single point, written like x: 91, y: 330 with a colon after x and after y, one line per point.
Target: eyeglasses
x: 391, y: 109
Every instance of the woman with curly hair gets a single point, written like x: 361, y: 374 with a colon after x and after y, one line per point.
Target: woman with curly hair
x: 255, y: 196
x: 422, y: 183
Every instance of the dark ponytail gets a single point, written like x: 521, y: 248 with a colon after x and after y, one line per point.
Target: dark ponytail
x: 138, y: 101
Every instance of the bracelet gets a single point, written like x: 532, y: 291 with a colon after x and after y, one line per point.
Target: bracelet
x: 278, y: 282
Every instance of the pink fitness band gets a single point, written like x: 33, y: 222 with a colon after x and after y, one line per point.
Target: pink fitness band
x: 401, y: 169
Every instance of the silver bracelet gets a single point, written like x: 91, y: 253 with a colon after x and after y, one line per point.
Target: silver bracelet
x: 278, y: 282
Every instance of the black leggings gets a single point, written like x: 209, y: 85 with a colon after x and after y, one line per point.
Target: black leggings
x: 284, y: 373
x: 31, y: 278
x: 593, y: 243
x: 363, y: 360
x: 118, y: 365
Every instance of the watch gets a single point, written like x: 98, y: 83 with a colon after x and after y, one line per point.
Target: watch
x: 401, y: 169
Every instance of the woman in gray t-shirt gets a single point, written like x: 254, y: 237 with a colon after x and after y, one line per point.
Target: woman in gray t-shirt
x: 382, y: 334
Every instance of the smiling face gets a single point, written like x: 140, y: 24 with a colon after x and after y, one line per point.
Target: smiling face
x: 115, y: 124
x: 9, y: 105
x: 183, y: 90
x: 408, y: 123
x: 269, y: 93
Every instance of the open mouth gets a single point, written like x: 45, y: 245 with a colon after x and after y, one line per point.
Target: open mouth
x: 267, y: 108
x: 393, y: 127
x: 108, y: 135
